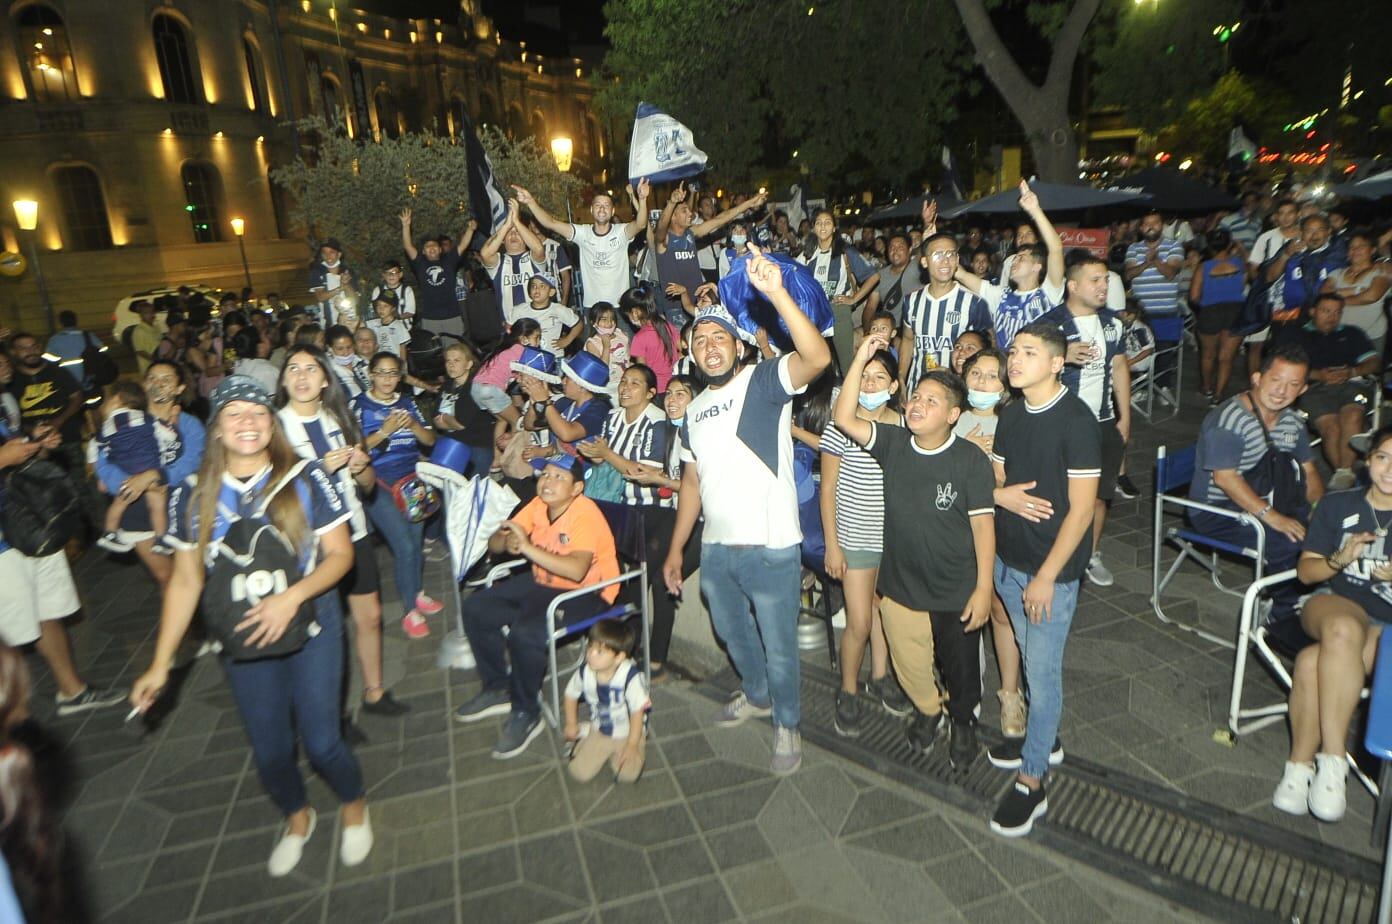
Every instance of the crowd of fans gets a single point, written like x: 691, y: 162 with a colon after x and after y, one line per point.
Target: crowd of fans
x: 967, y: 413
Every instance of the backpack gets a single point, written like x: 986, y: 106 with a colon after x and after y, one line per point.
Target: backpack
x: 253, y: 560
x: 425, y: 355
x: 97, y: 362
x: 41, y: 512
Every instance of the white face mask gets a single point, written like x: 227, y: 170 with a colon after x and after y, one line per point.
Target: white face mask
x: 738, y: 240
x: 605, y: 329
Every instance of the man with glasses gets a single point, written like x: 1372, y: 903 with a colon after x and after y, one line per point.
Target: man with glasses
x: 937, y: 314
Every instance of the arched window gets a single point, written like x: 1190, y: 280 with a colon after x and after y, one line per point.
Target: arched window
x: 538, y: 128
x: 85, y: 224
x: 254, y: 75
x: 203, y: 201
x: 516, y: 122
x: 458, y: 115
x: 181, y: 85
x: 45, y: 56
x: 334, y: 112
x: 386, y: 114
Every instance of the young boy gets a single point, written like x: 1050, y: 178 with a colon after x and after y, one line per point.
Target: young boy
x: 940, y: 545
x: 559, y: 324
x: 1048, y: 460
x: 1138, y: 341
x: 392, y: 333
x: 128, y: 439
x: 567, y: 539
x: 613, y: 686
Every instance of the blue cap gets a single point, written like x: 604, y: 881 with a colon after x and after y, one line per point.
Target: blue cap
x: 573, y: 464
x: 539, y: 364
x: 716, y: 314
x: 237, y: 388
x: 588, y: 370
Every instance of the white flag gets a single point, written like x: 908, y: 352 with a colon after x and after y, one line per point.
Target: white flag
x: 662, y: 148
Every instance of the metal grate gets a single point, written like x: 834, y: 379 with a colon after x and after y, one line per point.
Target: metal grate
x: 1202, y: 856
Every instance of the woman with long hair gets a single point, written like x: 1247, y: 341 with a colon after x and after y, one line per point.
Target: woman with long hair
x: 319, y: 425
x: 852, y: 503
x: 249, y: 466
x: 31, y: 842
x: 393, y: 431
x: 1217, y: 292
x: 839, y: 269
x: 654, y: 342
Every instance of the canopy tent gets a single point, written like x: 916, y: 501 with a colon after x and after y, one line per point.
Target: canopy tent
x: 910, y: 209
x: 1172, y: 190
x: 1374, y: 187
x: 1053, y: 198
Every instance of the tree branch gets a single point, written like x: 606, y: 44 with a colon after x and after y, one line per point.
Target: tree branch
x: 1017, y: 89
x: 1066, y: 44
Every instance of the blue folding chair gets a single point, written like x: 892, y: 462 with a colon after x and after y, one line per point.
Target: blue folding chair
x: 1166, y: 369
x: 1378, y: 740
x: 1173, y: 472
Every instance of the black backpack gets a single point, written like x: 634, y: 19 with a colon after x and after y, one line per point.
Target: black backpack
x: 128, y: 339
x: 97, y: 362
x: 251, y: 561
x: 41, y: 512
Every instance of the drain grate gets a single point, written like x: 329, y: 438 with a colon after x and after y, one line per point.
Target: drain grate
x: 1199, y: 855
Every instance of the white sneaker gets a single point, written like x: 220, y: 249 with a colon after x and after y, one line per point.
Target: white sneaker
x: 357, y: 842
x: 1293, y: 792
x: 288, y: 851
x: 1327, y: 800
x: 1097, y: 572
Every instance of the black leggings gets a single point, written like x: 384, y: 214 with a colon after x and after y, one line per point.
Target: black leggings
x: 658, y: 523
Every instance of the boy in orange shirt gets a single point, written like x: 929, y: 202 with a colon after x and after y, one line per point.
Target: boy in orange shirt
x: 566, y: 538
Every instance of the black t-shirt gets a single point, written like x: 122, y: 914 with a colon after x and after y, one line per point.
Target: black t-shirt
x: 930, y: 497
x: 435, y: 285
x: 1343, y: 346
x: 43, y: 395
x: 1337, y: 517
x: 1048, y: 445
x: 478, y: 423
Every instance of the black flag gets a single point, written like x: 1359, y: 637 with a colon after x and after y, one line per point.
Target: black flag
x: 486, y: 198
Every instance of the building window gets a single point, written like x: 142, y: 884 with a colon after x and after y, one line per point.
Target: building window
x: 203, y: 201
x: 84, y: 208
x: 175, y: 62
x: 458, y: 116
x: 45, y: 56
x: 488, y: 112
x: 254, y: 72
x: 334, y: 113
x: 387, y: 123
x: 538, y: 128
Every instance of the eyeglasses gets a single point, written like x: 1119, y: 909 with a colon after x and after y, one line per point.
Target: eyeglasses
x: 943, y: 255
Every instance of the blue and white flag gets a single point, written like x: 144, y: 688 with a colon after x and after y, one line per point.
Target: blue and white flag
x: 951, y: 182
x: 662, y: 148
x: 486, y: 198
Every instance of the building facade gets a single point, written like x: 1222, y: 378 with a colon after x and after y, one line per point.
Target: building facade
x: 142, y: 128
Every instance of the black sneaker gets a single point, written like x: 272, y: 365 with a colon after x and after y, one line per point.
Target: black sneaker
x: 850, y: 715
x: 1126, y: 487
x: 887, y: 692
x: 88, y: 700
x: 962, y: 748
x: 1017, y: 812
x: 923, y: 730
x: 519, y: 732
x: 388, y: 705
x: 1006, y: 755
x: 487, y: 703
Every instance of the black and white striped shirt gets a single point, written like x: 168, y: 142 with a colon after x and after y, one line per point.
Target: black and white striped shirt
x: 860, y: 500
x: 644, y: 440
x: 936, y: 323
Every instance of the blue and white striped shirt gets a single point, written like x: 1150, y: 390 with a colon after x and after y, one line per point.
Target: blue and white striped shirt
x: 936, y: 323
x: 1012, y: 309
x: 1157, y: 294
x: 613, y: 704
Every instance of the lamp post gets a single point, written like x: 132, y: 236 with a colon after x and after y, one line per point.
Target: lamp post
x: 239, y: 228
x: 27, y: 214
x: 562, y: 151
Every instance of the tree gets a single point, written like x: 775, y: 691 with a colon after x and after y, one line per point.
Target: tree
x: 1203, y: 127
x: 354, y: 190
x: 859, y: 97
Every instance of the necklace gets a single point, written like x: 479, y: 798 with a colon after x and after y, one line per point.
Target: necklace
x: 1381, y: 530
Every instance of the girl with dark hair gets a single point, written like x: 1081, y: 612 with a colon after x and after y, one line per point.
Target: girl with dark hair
x: 489, y: 385
x: 250, y: 466
x: 30, y: 840
x: 852, y: 503
x: 1218, y: 291
x: 654, y: 342
x: 840, y: 270
x: 394, y: 431
x: 608, y: 341
x: 252, y: 349
x: 349, y: 368
x: 319, y: 425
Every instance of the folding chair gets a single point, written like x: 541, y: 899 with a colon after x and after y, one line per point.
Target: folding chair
x: 1378, y: 740
x: 1253, y: 635
x: 1164, y: 376
x: 1173, y: 472
x: 626, y: 523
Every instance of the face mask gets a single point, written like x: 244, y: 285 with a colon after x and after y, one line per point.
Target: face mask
x: 738, y: 239
x: 605, y: 329
x: 873, y: 401
x: 344, y: 360
x: 983, y: 400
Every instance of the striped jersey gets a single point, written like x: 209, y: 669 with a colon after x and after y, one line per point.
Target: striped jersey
x: 612, y: 704
x: 1012, y: 309
x: 644, y: 440
x: 936, y: 323
x: 510, y: 275
x: 860, y: 502
x: 1092, y: 381
x: 1157, y: 294
x: 1231, y: 439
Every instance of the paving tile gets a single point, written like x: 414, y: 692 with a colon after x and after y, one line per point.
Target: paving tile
x: 514, y: 903
x: 714, y: 775
x: 679, y: 862
x: 655, y: 788
x: 139, y: 830
x: 646, y: 909
x: 366, y: 902
x: 759, y: 887
x: 875, y: 808
x: 553, y: 862
x: 426, y: 843
x: 829, y: 792
x: 1017, y: 864
x: 703, y: 902
x: 824, y: 877
x: 688, y: 749
x: 187, y: 864
x: 648, y: 828
x: 965, y: 879
x: 788, y: 822
x: 615, y: 871
x: 423, y: 885
x: 731, y: 807
x: 738, y: 846
x: 252, y: 886
x: 157, y: 906
x: 1063, y: 901
x: 917, y: 840
x: 488, y: 869
x: 481, y: 829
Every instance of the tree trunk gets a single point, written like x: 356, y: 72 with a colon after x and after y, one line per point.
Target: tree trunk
x: 1041, y: 110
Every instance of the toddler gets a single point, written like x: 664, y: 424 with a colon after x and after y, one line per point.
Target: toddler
x: 128, y: 438
x: 613, y: 686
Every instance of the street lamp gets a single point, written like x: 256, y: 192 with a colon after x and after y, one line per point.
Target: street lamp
x: 27, y: 214
x: 562, y: 150
x: 239, y: 228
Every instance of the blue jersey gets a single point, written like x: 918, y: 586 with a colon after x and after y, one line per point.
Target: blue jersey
x: 395, y: 457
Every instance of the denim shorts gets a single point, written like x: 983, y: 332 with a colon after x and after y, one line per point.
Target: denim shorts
x: 490, y: 397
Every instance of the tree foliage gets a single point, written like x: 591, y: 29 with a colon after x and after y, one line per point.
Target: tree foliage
x: 1203, y: 127
x: 861, y: 94
x: 354, y: 190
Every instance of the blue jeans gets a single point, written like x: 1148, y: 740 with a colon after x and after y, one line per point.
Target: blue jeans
x: 406, y: 541
x: 278, y: 697
x: 762, y: 645
x: 1041, y: 651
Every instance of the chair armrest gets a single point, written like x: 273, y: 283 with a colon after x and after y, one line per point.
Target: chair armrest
x: 1240, y: 516
x: 501, y: 570
x: 559, y: 599
x: 1378, y: 739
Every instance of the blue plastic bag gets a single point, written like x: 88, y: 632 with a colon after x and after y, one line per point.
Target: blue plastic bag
x: 751, y: 310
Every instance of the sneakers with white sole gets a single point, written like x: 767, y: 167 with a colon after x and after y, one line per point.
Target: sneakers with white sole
x: 357, y: 842
x: 787, y: 750
x: 738, y: 709
x: 1292, y: 794
x: 289, y: 849
x: 1327, y: 796
x: 1098, y: 573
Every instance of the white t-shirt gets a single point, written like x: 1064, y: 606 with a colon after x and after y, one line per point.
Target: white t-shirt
x: 611, y: 705
x: 391, y: 336
x: 1091, y: 378
x: 741, y: 440
x: 554, y: 319
x: 405, y: 301
x: 1266, y: 247
x: 603, y: 263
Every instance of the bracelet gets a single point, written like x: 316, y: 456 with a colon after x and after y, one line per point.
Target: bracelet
x: 1261, y: 514
x: 1329, y: 560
